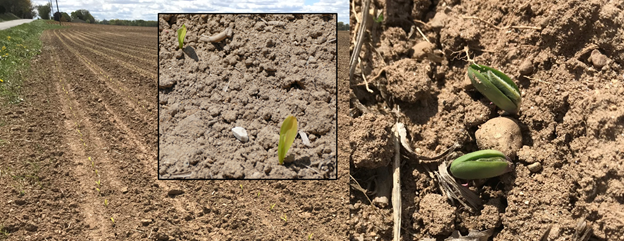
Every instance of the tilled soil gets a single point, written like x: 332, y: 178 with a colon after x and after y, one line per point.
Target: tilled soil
x: 271, y: 66
x: 566, y: 58
x: 89, y: 107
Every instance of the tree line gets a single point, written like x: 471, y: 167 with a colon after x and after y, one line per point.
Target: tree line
x: 342, y: 26
x: 25, y: 9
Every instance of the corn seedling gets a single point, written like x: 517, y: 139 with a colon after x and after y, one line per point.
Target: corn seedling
x: 98, y: 183
x: 481, y: 165
x: 97, y: 189
x: 105, y: 202
x: 181, y: 35
x: 310, y: 237
x: 272, y: 205
x: 241, y: 186
x: 113, y: 220
x: 258, y: 194
x: 496, y: 86
x: 284, y: 218
x: 379, y: 18
x: 287, y: 136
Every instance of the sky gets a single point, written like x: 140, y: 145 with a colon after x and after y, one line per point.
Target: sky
x: 148, y: 9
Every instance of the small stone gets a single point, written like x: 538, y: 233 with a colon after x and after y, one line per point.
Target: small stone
x: 526, y: 68
x: 240, y: 134
x: 304, y: 139
x: 174, y: 192
x: 146, y: 222
x: 535, y: 167
x: 502, y: 134
x: 20, y: 202
x: 598, y: 59
x: 124, y: 190
x: 179, y: 54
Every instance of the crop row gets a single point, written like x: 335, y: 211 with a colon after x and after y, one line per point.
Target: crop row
x: 130, y: 96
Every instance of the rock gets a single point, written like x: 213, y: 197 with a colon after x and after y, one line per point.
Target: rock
x: 124, y: 190
x: 502, y: 134
x: 240, y: 134
x: 179, y: 54
x: 20, y: 202
x: 174, y: 192
x: 526, y: 68
x: 598, y: 59
x: 304, y: 139
x: 165, y: 82
x: 535, y: 167
x: 146, y: 222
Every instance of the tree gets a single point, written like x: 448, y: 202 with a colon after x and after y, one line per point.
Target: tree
x: 342, y: 26
x: 83, y: 15
x: 44, y: 11
x: 65, y: 17
x: 21, y: 8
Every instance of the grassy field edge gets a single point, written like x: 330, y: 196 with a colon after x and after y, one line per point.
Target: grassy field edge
x: 18, y: 45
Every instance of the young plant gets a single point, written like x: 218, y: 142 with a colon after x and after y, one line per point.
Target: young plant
x: 379, y: 18
x: 287, y: 136
x: 272, y: 205
x: 284, y: 218
x: 106, y: 202
x: 481, y: 165
x: 496, y: 86
x: 181, y: 35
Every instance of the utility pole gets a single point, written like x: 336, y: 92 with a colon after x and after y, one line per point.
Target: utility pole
x: 57, y: 10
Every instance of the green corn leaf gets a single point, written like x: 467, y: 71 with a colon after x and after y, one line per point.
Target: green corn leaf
x: 496, y: 86
x: 181, y: 35
x: 480, y: 165
x: 287, y: 136
x: 379, y: 18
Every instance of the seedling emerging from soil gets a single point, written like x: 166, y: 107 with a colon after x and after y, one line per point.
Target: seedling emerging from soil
x: 181, y: 35
x: 496, y: 86
x: 272, y: 205
x: 481, y: 165
x: 105, y: 202
x: 287, y: 136
x: 379, y: 18
x: 284, y: 218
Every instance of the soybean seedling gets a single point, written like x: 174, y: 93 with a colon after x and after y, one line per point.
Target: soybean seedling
x: 287, y: 136
x: 481, y: 165
x: 181, y: 35
x: 496, y: 86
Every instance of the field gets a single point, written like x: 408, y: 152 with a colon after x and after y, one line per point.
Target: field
x: 567, y: 59
x: 254, y: 80
x: 79, y: 157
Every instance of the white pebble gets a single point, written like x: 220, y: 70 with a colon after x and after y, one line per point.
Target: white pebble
x: 304, y: 139
x: 240, y: 134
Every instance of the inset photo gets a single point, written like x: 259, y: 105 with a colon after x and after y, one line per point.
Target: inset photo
x: 247, y: 96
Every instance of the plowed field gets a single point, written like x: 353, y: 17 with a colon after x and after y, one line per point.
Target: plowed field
x: 78, y: 158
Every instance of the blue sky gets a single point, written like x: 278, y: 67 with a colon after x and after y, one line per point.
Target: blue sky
x: 148, y: 9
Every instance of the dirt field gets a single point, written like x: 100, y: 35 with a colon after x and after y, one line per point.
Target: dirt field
x: 566, y: 58
x: 92, y: 94
x: 271, y: 66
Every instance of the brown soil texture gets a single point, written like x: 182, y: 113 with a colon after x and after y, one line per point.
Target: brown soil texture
x: 84, y: 101
x: 272, y: 66
x: 566, y: 58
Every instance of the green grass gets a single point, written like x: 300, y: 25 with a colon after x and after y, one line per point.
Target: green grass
x: 17, y: 46
x: 7, y: 17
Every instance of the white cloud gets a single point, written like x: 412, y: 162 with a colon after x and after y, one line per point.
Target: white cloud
x: 148, y: 9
